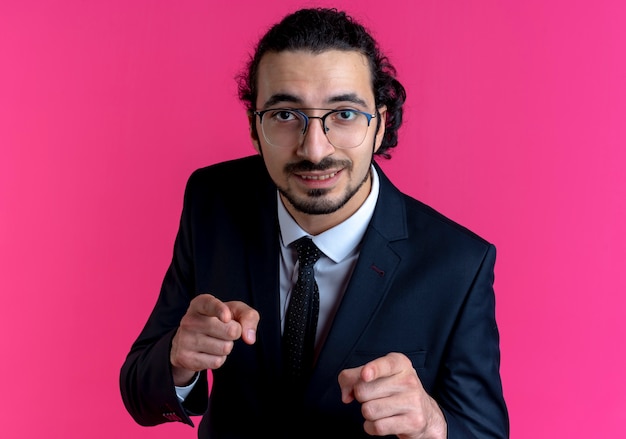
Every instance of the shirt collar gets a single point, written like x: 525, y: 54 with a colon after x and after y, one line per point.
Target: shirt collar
x: 338, y: 242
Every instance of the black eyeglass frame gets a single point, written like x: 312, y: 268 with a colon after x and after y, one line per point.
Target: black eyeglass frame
x: 307, y: 118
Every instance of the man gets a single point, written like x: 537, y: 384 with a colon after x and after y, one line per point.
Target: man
x: 405, y: 343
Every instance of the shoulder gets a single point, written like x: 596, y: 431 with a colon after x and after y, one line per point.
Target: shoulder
x: 230, y: 170
x: 421, y: 213
x: 406, y: 218
x: 231, y: 177
x: 239, y: 185
x: 236, y: 195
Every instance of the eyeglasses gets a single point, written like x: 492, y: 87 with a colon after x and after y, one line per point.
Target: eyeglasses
x: 286, y: 127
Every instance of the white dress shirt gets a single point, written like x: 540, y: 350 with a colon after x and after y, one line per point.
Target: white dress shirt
x: 340, y: 246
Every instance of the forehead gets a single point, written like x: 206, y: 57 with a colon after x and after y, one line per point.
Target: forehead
x: 313, y: 79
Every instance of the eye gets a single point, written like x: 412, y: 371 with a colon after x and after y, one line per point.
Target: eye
x: 283, y: 115
x: 345, y: 115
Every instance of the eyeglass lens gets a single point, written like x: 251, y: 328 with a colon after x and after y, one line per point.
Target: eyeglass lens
x: 287, y: 128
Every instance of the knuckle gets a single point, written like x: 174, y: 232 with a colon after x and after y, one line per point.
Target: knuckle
x: 360, y: 392
x: 227, y: 348
x: 217, y: 362
x: 368, y: 411
x: 233, y: 331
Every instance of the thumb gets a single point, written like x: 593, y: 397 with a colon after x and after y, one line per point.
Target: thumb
x: 248, y: 318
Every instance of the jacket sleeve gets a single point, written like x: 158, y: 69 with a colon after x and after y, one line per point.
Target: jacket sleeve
x: 146, y: 382
x: 470, y: 390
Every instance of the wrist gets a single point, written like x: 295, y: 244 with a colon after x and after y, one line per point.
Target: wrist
x: 182, y: 377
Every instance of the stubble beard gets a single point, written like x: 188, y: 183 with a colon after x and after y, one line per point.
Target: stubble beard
x: 315, y: 202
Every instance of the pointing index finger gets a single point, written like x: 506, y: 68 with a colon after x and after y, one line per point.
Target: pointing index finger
x: 386, y: 366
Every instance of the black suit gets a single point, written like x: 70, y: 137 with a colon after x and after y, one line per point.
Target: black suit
x: 423, y: 286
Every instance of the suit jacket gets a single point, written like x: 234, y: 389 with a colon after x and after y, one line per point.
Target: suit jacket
x: 423, y: 286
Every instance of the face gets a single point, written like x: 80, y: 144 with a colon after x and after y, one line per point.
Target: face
x: 319, y: 184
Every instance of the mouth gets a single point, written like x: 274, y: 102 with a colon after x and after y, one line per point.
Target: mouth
x: 325, y: 180
x: 323, y: 175
x: 319, y: 177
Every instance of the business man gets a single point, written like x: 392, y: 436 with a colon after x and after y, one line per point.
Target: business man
x: 324, y: 301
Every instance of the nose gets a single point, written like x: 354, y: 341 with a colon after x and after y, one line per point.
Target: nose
x: 315, y: 145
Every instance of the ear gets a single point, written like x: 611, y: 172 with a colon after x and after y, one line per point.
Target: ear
x: 254, y: 134
x: 382, y: 114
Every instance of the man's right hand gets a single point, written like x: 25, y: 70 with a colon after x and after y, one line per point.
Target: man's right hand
x: 207, y: 333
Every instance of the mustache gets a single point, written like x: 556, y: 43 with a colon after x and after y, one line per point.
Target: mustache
x: 326, y: 163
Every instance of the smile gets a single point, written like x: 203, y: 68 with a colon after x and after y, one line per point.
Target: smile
x: 318, y: 177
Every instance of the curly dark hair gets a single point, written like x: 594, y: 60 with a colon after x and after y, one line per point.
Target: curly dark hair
x: 321, y: 29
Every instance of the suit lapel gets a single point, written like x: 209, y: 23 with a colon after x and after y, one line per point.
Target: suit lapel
x: 368, y: 287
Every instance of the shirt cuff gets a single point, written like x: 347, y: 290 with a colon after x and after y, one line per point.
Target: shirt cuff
x: 183, y: 392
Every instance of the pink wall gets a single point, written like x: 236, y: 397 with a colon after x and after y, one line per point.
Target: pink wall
x: 514, y: 127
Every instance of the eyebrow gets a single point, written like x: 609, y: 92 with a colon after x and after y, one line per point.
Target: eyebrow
x: 281, y: 97
x: 288, y: 98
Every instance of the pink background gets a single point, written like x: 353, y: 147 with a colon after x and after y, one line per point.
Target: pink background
x: 515, y: 127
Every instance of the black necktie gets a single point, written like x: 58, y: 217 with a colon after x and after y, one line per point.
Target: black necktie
x: 302, y: 313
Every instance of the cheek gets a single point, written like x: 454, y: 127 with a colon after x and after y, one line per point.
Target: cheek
x: 362, y: 160
x: 275, y: 160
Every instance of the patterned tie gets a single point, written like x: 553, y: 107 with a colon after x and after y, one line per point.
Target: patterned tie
x: 302, y: 313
